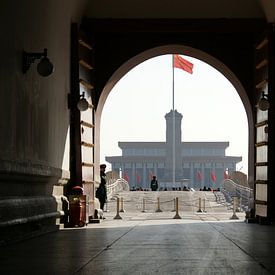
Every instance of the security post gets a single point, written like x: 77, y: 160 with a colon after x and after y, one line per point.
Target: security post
x: 143, y: 205
x: 234, y: 216
x: 121, y: 206
x: 117, y: 217
x: 199, y: 210
x: 158, y: 206
x: 177, y: 216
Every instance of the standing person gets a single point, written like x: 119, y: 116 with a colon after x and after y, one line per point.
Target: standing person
x: 101, y: 192
x: 154, y: 184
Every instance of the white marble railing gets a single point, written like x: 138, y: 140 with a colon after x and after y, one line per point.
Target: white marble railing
x: 231, y: 189
x: 115, y: 184
x: 116, y: 187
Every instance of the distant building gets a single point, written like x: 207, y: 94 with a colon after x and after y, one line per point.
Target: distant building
x: 197, y: 164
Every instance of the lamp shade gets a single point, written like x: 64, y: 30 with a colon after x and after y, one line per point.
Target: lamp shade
x: 263, y: 104
x: 45, y: 67
x: 82, y: 104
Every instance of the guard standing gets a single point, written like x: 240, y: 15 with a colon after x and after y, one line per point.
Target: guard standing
x: 101, y: 192
x: 154, y: 184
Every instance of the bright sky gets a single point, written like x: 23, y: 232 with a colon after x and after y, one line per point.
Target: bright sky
x: 212, y: 109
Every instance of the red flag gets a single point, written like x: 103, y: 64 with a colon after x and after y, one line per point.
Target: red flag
x: 183, y: 64
x: 199, y: 176
x: 126, y: 177
x: 213, y: 176
x: 138, y: 179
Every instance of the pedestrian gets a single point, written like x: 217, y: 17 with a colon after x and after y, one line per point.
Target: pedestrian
x: 101, y: 192
x: 154, y: 184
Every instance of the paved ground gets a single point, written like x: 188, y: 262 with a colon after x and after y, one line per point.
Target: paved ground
x: 148, y: 243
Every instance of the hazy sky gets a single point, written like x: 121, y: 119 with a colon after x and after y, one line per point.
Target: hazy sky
x: 211, y: 108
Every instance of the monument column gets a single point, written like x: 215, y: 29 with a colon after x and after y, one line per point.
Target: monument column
x: 170, y: 139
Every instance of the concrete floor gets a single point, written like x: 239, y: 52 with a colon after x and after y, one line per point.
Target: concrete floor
x: 148, y: 243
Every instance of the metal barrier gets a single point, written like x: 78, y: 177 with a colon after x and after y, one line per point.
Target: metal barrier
x: 121, y: 206
x: 177, y: 216
x: 117, y: 217
x: 158, y: 206
x: 202, y: 204
x: 234, y: 216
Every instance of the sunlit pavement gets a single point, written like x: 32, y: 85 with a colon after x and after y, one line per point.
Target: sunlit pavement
x: 143, y: 205
x: 148, y: 243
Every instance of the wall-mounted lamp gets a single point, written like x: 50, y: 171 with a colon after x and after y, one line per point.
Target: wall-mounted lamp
x: 263, y: 103
x: 82, y: 104
x: 44, y: 67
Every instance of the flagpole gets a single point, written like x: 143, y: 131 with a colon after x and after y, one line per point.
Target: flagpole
x: 174, y: 130
x: 187, y: 66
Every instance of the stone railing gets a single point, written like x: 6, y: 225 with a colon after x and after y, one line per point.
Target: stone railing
x: 231, y: 189
x: 115, y: 184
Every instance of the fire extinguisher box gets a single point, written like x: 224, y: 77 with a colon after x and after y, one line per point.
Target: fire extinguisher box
x: 78, y: 215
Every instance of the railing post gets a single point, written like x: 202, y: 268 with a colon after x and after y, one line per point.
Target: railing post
x: 239, y: 207
x: 199, y: 210
x: 117, y: 217
x: 203, y: 205
x: 177, y: 216
x: 158, y: 206
x: 121, y: 206
x: 143, y: 205
x: 174, y: 206
x: 234, y: 216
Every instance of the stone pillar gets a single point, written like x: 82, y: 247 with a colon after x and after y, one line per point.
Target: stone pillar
x: 144, y: 176
x: 192, y: 182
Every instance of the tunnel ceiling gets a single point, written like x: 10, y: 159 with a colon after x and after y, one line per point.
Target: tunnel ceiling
x: 182, y: 9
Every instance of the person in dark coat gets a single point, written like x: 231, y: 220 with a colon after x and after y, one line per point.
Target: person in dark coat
x: 154, y: 184
x: 101, y: 192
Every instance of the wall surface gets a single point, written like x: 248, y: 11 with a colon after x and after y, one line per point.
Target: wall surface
x: 34, y: 117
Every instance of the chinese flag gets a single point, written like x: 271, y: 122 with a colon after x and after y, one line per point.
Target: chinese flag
x: 138, y: 179
x: 213, y: 176
x: 183, y: 64
x: 126, y: 177
x: 199, y: 176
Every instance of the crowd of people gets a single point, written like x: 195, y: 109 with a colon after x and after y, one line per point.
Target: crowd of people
x: 185, y: 188
x: 101, y: 193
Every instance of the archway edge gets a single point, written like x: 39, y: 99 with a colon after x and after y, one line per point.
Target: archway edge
x: 188, y: 51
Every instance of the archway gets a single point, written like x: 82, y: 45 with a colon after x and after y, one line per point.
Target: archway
x: 168, y: 49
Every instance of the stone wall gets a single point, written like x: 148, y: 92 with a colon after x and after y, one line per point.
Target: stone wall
x: 34, y: 119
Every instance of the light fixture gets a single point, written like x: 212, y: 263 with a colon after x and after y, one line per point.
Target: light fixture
x: 82, y: 104
x: 44, y: 67
x: 263, y: 103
